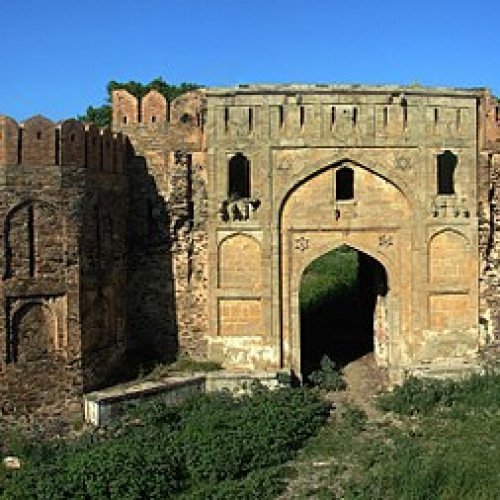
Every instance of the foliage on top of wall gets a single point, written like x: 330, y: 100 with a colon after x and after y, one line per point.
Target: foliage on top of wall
x: 101, y: 115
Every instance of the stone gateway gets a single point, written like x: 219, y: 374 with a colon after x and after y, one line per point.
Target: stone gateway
x: 188, y: 226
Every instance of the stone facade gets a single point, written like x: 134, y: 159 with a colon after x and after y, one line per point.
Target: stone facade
x: 391, y: 142
x: 63, y: 205
x: 188, y: 228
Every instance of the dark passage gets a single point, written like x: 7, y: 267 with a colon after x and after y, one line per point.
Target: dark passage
x: 337, y: 301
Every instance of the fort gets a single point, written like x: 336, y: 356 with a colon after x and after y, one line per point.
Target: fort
x: 187, y: 227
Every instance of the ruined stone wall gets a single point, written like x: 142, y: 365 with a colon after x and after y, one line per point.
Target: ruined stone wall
x: 489, y: 217
x: 192, y: 237
x: 48, y: 173
x: 392, y: 139
x: 167, y: 221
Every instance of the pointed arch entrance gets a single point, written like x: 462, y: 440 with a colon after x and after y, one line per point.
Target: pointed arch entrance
x: 375, y: 224
x: 342, y: 301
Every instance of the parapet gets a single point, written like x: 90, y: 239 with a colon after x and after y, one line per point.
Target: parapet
x: 154, y: 109
x: 39, y: 142
x: 125, y: 108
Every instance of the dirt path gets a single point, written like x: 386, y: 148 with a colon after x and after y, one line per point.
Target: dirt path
x: 364, y: 381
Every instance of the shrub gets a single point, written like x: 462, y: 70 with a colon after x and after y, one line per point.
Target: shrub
x: 213, y: 446
x: 242, y: 434
x: 424, y: 395
x: 328, y: 377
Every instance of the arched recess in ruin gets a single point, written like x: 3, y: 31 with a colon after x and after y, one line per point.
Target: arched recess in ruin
x: 240, y: 262
x: 375, y: 221
x: 448, y: 258
x: 34, y: 333
x: 34, y: 239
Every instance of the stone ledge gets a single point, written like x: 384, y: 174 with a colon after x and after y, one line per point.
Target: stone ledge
x: 102, y: 407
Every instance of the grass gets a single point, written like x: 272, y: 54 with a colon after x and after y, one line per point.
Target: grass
x: 436, y: 440
x: 213, y: 446
x: 183, y: 365
x: 333, y: 274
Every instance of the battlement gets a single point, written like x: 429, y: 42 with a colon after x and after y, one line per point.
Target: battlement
x: 39, y: 141
x: 155, y: 110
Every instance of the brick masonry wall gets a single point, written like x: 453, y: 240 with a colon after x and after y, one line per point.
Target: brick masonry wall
x: 167, y: 271
x: 59, y: 184
x: 489, y: 219
x: 110, y: 251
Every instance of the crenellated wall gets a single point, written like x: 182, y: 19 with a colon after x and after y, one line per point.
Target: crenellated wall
x: 168, y: 270
x: 140, y: 242
x: 63, y: 204
x: 39, y: 141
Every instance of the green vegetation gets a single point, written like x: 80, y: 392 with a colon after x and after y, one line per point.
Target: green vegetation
x: 328, y: 376
x: 214, y: 446
x: 101, y: 115
x: 183, y: 365
x: 433, y: 439
x: 332, y: 275
x: 436, y: 439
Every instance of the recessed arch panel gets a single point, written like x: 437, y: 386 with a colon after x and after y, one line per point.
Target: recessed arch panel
x: 34, y: 333
x: 376, y: 222
x: 448, y: 259
x: 240, y: 262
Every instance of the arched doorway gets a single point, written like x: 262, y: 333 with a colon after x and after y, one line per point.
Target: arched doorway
x: 342, y: 300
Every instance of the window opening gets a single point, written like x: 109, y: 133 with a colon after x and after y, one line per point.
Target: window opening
x: 226, y: 119
x: 354, y: 116
x: 250, y: 119
x: 57, y: 146
x: 239, y: 177
x: 31, y: 240
x: 20, y: 147
x: 404, y: 106
x: 385, y: 116
x: 333, y: 117
x: 344, y: 184
x: 446, y: 165
x: 302, y: 116
x: 436, y: 116
x: 281, y: 116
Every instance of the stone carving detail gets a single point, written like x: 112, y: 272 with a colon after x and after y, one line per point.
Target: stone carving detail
x: 450, y: 206
x: 385, y: 241
x: 301, y: 244
x: 403, y: 163
x: 238, y: 210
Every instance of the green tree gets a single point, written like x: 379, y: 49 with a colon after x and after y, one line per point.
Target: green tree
x: 101, y: 115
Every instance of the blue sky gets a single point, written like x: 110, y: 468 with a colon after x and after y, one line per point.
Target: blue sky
x: 57, y: 56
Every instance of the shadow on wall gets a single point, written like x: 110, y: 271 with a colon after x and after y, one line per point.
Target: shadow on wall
x: 87, y: 295
x: 151, y: 305
x: 127, y: 306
